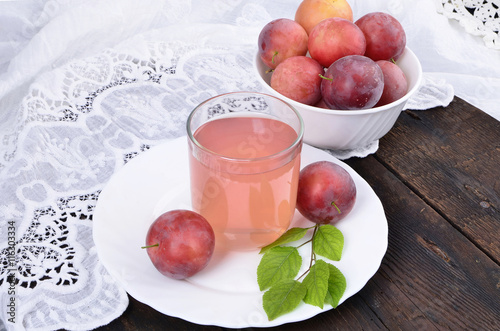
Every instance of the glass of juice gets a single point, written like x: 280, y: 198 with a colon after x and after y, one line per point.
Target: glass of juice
x: 244, y: 157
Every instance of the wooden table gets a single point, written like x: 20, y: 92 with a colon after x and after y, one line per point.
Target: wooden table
x: 437, y: 174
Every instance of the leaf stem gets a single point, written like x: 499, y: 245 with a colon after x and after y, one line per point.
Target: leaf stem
x: 310, y: 240
x: 305, y: 273
x: 305, y: 243
x: 313, y: 255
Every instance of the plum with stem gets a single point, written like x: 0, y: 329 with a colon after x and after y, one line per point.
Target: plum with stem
x: 180, y: 243
x: 326, y: 192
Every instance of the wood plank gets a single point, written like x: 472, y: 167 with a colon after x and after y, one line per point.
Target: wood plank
x: 353, y: 314
x: 432, y: 276
x: 451, y: 157
x: 139, y: 316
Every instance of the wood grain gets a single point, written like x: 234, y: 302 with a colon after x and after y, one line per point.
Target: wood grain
x: 451, y: 158
x: 432, y: 276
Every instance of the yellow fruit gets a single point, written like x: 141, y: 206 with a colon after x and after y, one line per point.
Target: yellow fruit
x: 311, y: 12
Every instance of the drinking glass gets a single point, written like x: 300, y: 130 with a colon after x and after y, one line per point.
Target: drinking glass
x: 244, y: 157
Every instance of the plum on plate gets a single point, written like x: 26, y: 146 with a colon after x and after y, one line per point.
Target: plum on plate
x: 326, y: 193
x: 180, y: 243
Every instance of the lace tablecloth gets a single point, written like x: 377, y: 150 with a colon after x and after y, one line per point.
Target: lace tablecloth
x: 87, y: 85
x: 478, y: 17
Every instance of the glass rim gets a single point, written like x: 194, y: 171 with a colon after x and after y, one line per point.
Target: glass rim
x: 291, y: 147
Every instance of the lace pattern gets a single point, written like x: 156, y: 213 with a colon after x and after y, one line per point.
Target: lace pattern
x: 110, y: 108
x: 478, y: 17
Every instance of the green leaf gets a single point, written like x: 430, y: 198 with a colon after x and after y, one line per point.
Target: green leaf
x: 336, y: 286
x: 292, y: 234
x: 283, y: 297
x: 328, y: 242
x: 277, y: 264
x: 316, y: 282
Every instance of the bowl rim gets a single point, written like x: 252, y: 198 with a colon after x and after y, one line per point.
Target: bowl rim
x: 373, y: 110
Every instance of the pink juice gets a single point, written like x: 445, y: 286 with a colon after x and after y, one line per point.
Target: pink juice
x: 246, y: 186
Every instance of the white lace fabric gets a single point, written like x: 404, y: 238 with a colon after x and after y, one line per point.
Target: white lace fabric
x: 117, y: 106
x: 80, y: 95
x: 478, y: 17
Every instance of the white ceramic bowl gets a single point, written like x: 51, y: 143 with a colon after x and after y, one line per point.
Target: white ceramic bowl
x: 349, y: 129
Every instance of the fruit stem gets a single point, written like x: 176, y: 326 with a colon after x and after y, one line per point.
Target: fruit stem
x: 154, y: 245
x: 330, y: 79
x: 335, y: 205
x: 274, y: 55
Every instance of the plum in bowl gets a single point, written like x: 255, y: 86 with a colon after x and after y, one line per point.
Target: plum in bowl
x: 349, y: 129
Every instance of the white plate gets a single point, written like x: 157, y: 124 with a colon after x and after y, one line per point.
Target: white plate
x: 226, y: 292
